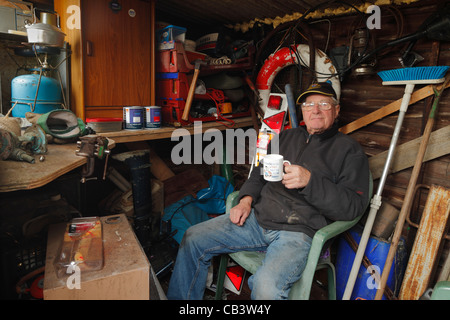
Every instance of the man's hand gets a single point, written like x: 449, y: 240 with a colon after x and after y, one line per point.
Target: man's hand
x: 240, y: 212
x: 295, y: 176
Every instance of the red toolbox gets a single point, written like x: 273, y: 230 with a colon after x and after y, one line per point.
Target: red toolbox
x: 174, y: 60
x: 172, y: 111
x: 172, y: 85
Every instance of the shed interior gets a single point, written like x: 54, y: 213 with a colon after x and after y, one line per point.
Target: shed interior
x: 359, y: 43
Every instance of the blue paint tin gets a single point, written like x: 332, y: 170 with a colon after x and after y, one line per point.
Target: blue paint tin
x: 133, y: 118
x: 152, y: 117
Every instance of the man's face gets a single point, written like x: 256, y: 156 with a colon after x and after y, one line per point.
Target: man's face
x: 317, y: 120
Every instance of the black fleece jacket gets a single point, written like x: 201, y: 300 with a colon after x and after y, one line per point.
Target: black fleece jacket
x: 338, y: 188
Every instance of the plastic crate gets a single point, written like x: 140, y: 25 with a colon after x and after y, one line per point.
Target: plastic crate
x: 167, y: 36
x: 173, y: 60
x: 172, y: 85
x: 172, y: 111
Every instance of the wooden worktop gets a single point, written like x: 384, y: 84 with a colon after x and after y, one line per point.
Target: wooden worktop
x: 20, y: 175
x: 61, y: 159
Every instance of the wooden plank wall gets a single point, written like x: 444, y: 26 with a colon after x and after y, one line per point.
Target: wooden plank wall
x: 364, y: 94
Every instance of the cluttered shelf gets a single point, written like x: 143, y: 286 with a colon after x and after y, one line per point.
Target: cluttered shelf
x: 169, y: 131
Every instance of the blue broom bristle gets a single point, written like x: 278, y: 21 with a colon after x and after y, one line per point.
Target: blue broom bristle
x: 414, y: 73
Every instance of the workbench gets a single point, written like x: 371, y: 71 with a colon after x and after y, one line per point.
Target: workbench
x: 20, y: 175
x: 61, y: 159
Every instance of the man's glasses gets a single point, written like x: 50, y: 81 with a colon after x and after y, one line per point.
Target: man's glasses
x: 323, y: 105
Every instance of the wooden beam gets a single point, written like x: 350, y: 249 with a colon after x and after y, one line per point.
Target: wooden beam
x: 405, y: 154
x: 388, y: 109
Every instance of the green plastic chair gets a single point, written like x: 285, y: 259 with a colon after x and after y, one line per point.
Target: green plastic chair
x: 441, y: 291
x: 252, y: 260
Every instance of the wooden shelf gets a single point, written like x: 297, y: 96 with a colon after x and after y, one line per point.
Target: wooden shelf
x: 13, y: 37
x: 166, y: 132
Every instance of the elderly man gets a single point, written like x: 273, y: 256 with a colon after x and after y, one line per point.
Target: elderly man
x: 327, y: 180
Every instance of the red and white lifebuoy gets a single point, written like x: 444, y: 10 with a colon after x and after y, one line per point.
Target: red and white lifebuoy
x: 284, y: 57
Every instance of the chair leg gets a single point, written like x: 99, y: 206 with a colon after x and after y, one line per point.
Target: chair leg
x: 331, y: 282
x: 221, y: 276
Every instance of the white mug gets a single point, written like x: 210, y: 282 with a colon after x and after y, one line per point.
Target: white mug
x: 273, y: 165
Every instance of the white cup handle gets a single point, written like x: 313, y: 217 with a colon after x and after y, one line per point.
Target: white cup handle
x: 285, y: 161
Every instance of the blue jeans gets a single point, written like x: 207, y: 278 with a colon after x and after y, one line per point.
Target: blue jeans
x: 286, y: 256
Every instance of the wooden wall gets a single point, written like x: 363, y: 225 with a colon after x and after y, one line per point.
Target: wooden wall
x: 364, y: 94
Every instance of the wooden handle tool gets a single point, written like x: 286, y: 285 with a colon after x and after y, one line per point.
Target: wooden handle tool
x: 190, y: 95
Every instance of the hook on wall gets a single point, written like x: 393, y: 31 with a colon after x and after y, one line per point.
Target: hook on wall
x: 115, y: 6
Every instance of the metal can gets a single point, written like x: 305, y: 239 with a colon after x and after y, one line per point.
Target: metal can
x: 133, y: 118
x: 152, y: 117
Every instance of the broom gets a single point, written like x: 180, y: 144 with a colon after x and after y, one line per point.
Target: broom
x: 409, y: 195
x: 408, y: 77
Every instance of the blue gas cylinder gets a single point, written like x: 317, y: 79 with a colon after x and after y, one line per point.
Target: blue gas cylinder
x: 23, y: 91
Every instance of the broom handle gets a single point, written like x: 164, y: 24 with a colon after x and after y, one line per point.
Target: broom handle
x: 376, y: 200
x: 407, y: 203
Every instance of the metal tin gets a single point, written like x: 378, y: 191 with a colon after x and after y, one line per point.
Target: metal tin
x: 152, y: 117
x: 133, y: 118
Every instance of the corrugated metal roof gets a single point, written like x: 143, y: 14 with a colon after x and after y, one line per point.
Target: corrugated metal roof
x: 230, y: 12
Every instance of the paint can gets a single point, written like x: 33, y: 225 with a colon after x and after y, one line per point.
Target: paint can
x: 133, y: 118
x: 152, y: 117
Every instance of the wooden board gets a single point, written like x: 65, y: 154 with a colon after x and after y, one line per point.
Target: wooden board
x: 429, y: 239
x: 125, y: 274
x: 388, y: 109
x: 19, y: 175
x: 405, y: 154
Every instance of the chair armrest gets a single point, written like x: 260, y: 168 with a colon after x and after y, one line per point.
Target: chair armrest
x: 332, y: 230
x: 232, y: 200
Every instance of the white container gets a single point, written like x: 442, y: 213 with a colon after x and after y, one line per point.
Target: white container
x: 45, y: 34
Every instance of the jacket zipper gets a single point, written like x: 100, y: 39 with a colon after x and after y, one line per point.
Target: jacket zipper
x: 309, y: 137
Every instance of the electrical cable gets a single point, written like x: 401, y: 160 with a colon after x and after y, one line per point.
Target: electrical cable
x: 355, y: 63
x: 218, y: 98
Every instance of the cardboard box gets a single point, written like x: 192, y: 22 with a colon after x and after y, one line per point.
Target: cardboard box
x: 125, y: 274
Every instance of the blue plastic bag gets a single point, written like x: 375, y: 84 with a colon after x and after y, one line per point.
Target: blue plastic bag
x: 213, y: 199
x: 190, y: 211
